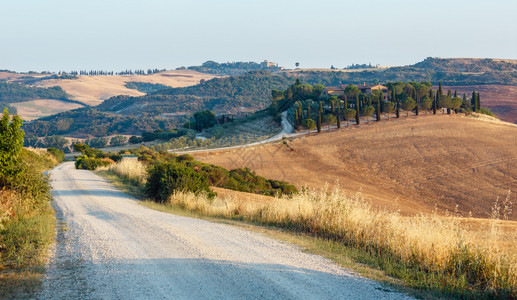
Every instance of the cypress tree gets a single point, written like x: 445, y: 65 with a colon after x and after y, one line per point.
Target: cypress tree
x: 473, y: 101
x: 296, y: 120
x: 381, y: 97
x: 357, y: 120
x: 333, y: 106
x: 378, y: 111
x: 417, y: 101
x: 397, y: 108
x: 449, y: 95
x: 318, y: 123
x: 309, y: 109
x: 321, y: 107
x: 440, y: 91
x: 455, y: 93
x: 434, y: 101
x: 478, y: 102
x: 338, y: 115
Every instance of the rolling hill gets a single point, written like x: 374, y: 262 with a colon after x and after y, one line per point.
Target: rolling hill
x: 413, y: 165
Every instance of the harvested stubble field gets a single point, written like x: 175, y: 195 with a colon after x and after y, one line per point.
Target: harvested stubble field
x: 412, y: 165
x: 93, y: 90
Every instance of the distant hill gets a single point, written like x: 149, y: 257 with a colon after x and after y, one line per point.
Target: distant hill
x: 233, y: 68
x: 251, y: 91
x: 227, y: 95
x: 87, y: 121
x: 451, y: 71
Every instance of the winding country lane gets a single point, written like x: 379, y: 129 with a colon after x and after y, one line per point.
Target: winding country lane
x: 110, y: 247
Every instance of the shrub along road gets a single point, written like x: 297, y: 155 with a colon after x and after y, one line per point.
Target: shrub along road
x: 110, y: 247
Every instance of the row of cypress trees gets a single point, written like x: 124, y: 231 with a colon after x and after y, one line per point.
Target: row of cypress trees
x: 393, y: 104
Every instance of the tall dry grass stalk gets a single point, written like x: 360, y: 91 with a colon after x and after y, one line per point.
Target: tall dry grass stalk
x: 132, y: 170
x: 433, y: 244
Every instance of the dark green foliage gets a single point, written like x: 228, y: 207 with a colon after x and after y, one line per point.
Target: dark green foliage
x: 233, y: 68
x: 100, y: 142
x: 318, y: 122
x: 309, y: 124
x: 20, y: 169
x: 378, y: 108
x: 408, y: 105
x: 146, y: 87
x: 349, y: 113
x: 90, y: 163
x: 97, y: 123
x: 358, y: 107
x: 389, y: 108
x: 426, y: 103
x: 204, y: 119
x: 11, y: 92
x: 247, y: 181
x: 367, y: 111
x: 11, y: 143
x: 166, y: 178
x: 338, y: 115
x: 118, y: 140
x: 55, y: 141
x: 58, y: 154
x: 135, y: 140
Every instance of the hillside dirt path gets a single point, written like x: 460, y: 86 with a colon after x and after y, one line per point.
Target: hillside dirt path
x: 108, y: 246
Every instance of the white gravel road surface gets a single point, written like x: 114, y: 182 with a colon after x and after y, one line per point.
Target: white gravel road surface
x: 109, y: 247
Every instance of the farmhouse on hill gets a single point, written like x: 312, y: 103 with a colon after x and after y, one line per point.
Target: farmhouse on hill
x: 364, y: 88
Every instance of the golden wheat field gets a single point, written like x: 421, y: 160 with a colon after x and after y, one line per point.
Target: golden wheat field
x: 412, y: 165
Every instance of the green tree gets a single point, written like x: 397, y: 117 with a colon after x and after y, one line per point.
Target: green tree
x: 351, y: 91
x: 389, y: 108
x: 309, y: 103
x: 329, y: 119
x: 478, y: 101
x: 338, y: 115
x: 473, y: 101
x: 118, y: 140
x: 349, y: 113
x: 408, y: 105
x: 426, y: 103
x: 378, y: 108
x: 204, y: 119
x: 135, y: 139
x: 456, y: 103
x: 357, y: 107
x: 309, y: 124
x: 445, y: 102
x: 318, y: 122
x: 55, y: 141
x: 367, y: 111
x: 11, y: 144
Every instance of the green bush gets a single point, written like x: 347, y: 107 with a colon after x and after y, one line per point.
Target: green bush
x: 90, y: 163
x: 485, y: 111
x: 165, y: 178
x: 58, y: 154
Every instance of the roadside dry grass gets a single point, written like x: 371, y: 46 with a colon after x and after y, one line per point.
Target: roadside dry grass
x: 434, y: 255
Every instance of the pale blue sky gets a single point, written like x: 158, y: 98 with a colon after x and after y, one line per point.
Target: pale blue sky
x: 118, y: 34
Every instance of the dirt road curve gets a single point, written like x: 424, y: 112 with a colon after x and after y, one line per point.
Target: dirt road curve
x: 111, y: 247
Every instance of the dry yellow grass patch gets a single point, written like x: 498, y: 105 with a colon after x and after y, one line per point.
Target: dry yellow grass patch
x: 436, y: 244
x: 93, y: 90
x: 31, y: 110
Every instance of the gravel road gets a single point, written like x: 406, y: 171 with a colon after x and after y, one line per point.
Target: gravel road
x: 110, y: 247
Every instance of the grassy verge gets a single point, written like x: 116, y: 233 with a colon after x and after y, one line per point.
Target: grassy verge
x: 433, y: 256
x: 27, y: 227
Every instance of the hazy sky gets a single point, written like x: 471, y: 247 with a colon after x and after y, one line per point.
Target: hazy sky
x: 119, y: 34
